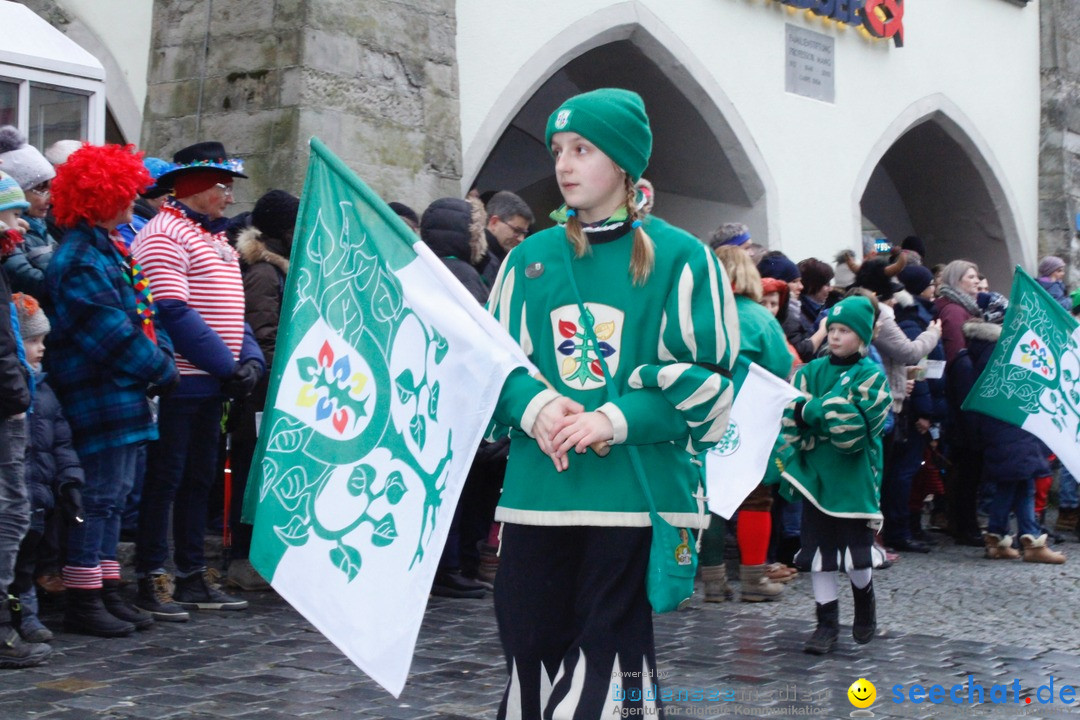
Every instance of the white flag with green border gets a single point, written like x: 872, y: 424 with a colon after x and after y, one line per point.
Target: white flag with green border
x: 386, y: 373
x: 1033, y: 377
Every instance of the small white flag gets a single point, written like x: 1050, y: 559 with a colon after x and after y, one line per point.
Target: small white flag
x: 738, y: 462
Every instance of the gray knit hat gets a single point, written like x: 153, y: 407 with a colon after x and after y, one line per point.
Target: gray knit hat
x: 22, y: 161
x: 1049, y: 265
x: 32, y: 320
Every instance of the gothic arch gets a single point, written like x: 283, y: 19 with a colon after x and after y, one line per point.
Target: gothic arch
x: 706, y: 166
x: 932, y: 174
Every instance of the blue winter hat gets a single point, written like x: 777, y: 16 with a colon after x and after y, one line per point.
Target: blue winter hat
x: 777, y: 265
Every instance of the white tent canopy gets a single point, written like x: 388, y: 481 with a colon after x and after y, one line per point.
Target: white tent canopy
x: 31, y: 42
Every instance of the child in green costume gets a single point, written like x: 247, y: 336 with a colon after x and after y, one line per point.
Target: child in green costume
x: 570, y: 597
x: 837, y: 466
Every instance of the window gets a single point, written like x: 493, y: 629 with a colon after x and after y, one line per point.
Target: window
x: 9, y: 103
x: 56, y: 115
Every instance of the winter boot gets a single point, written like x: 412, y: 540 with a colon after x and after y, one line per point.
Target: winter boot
x: 1000, y: 548
x: 1035, y: 551
x: 14, y: 651
x: 755, y: 586
x: 200, y: 591
x: 155, y: 597
x: 714, y: 577
x: 118, y: 606
x: 24, y: 617
x: 86, y: 614
x: 1066, y: 519
x: 865, y: 623
x: 828, y: 629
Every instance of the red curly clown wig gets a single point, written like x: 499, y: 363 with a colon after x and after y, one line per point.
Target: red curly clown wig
x: 97, y: 183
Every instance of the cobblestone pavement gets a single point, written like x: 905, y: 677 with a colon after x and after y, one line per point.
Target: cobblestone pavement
x: 944, y: 616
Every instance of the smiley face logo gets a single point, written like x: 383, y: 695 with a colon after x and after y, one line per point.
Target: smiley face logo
x: 862, y: 693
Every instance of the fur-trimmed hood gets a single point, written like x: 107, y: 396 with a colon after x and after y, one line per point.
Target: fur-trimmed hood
x: 254, y: 247
x: 982, y: 330
x: 903, y: 298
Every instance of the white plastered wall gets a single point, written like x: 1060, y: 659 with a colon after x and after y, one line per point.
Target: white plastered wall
x: 976, y: 61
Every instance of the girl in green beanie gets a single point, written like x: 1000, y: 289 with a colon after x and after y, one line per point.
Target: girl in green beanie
x: 570, y: 598
x: 836, y: 466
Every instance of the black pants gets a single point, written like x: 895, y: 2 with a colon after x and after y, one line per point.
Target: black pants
x: 962, y: 491
x: 575, y: 623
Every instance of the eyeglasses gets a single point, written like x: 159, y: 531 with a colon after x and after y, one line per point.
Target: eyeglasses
x: 227, y: 189
x: 518, y: 232
x: 41, y: 192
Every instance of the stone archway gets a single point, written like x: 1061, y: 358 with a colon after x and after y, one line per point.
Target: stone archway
x: 932, y: 175
x: 705, y: 167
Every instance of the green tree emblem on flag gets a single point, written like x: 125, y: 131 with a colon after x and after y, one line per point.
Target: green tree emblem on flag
x: 341, y: 425
x: 1035, y: 368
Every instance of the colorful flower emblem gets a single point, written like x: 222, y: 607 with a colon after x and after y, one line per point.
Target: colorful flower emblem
x: 1031, y: 353
x: 333, y: 388
x: 581, y: 363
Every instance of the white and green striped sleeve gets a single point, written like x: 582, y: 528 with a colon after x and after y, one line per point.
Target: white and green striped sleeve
x: 854, y: 416
x: 522, y: 396
x: 697, y: 347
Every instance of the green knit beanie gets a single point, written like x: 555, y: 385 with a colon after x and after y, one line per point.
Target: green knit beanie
x: 613, y: 120
x: 857, y: 312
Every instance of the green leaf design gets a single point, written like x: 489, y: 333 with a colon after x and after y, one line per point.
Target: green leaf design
x: 308, y: 368
x: 385, y: 532
x: 347, y: 559
x: 360, y: 480
x: 395, y: 488
x: 295, y: 533
x: 286, y: 441
x: 406, y: 386
x: 418, y: 430
x: 433, y: 401
x: 441, y: 345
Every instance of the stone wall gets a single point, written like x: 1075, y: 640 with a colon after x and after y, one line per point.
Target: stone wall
x: 1059, y: 152
x: 376, y: 80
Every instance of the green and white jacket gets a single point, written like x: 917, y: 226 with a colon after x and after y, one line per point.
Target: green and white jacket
x: 663, y: 343
x: 837, y: 460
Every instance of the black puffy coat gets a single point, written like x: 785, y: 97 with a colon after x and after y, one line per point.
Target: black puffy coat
x: 1010, y: 454
x: 51, y: 460
x: 446, y: 228
x: 14, y: 390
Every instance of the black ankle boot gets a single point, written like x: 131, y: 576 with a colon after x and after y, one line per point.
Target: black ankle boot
x: 865, y: 624
x: 120, y: 608
x: 14, y: 651
x: 828, y: 629
x: 86, y: 614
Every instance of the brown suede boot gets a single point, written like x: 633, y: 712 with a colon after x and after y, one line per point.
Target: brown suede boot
x: 1035, y: 550
x: 714, y: 577
x: 1000, y: 548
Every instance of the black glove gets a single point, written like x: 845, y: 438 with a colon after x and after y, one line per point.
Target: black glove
x: 243, y: 380
x: 71, y: 503
x: 165, y: 389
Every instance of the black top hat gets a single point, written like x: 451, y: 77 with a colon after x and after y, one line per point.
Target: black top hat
x: 208, y: 155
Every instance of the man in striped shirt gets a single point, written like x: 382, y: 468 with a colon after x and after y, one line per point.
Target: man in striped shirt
x: 195, y: 277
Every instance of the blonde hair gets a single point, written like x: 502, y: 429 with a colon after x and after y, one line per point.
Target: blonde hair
x: 745, y: 278
x: 956, y: 270
x: 643, y: 256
